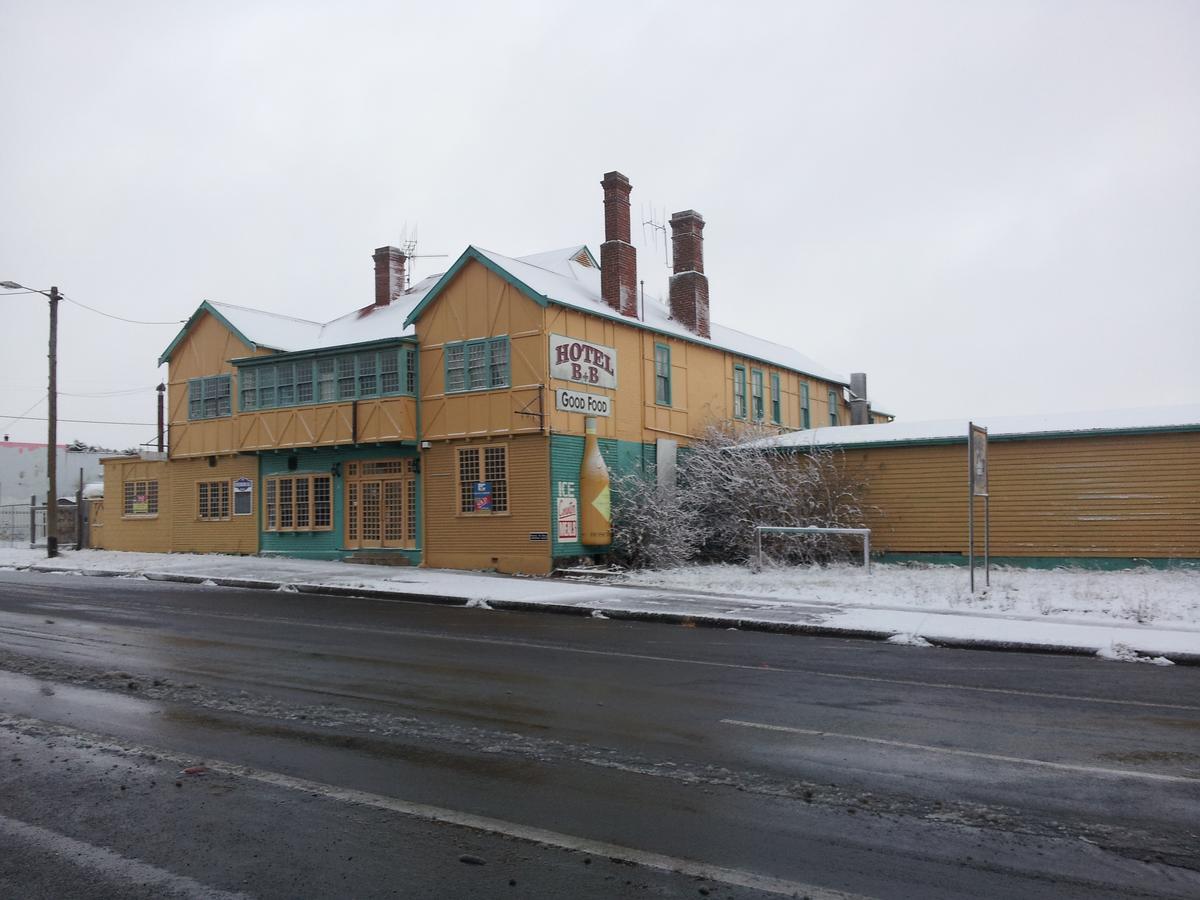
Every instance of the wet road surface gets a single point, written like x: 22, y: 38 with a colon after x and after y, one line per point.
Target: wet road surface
x: 375, y: 748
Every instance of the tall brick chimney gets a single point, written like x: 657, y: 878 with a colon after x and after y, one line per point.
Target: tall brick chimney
x: 389, y: 274
x: 689, y: 284
x: 618, y: 258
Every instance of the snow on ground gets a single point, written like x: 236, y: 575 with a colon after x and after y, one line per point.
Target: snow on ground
x: 1141, y: 596
x: 1132, y: 615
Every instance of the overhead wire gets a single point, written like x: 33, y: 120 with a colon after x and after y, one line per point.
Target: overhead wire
x: 27, y: 412
x: 77, y: 421
x: 101, y: 312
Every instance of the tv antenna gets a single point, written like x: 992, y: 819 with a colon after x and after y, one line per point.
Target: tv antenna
x: 660, y: 227
x: 408, y: 246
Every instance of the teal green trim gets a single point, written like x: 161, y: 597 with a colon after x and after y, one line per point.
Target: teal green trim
x: 473, y: 254
x: 776, y: 400
x: 248, y: 361
x: 665, y: 399
x: 488, y: 345
x: 1103, y: 563
x: 739, y: 392
x: 623, y: 458
x: 321, y: 461
x: 204, y: 307
x: 1002, y: 438
x: 757, y: 400
x: 263, y: 384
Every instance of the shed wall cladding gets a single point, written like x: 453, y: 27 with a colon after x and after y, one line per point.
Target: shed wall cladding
x: 150, y: 534
x: 497, y: 541
x: 1117, y: 496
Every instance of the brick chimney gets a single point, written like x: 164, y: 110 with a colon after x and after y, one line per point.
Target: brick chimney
x: 389, y: 274
x: 618, y: 258
x: 689, y: 284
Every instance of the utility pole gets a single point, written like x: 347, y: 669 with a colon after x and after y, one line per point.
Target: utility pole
x: 52, y: 438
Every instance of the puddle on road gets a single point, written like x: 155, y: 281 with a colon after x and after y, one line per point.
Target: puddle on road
x: 66, y: 704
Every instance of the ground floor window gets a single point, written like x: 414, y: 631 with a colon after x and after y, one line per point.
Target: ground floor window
x: 212, y: 500
x: 483, y: 479
x: 299, y: 503
x: 141, y: 498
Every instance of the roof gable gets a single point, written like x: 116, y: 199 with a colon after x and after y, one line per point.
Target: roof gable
x: 472, y: 253
x: 210, y: 309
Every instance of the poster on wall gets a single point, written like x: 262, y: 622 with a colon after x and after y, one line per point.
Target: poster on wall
x: 483, y: 496
x: 568, y: 519
x: 582, y: 362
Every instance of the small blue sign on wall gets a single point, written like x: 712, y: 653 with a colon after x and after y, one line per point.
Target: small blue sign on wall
x: 483, y: 496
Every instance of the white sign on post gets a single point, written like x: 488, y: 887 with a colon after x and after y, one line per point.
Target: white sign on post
x: 567, y: 400
x: 582, y: 362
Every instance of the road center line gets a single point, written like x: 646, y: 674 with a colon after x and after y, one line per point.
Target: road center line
x: 111, y: 865
x: 1068, y: 767
x: 651, y: 860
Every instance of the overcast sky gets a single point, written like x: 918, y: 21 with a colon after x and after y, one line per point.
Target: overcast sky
x: 990, y: 208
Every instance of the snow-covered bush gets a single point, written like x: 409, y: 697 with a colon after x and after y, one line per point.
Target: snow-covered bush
x: 726, y: 488
x: 654, y: 527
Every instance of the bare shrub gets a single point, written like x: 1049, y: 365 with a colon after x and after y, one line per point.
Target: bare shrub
x: 727, y: 486
x: 653, y: 526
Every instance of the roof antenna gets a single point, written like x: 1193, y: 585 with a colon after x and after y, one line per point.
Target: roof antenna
x: 408, y: 246
x: 660, y: 226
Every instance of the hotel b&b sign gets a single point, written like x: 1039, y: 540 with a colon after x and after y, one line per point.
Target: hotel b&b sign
x: 582, y: 362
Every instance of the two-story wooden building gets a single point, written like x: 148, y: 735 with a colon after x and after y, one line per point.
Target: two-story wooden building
x: 445, y: 422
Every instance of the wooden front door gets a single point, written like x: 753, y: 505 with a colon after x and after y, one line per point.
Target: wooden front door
x: 381, y: 504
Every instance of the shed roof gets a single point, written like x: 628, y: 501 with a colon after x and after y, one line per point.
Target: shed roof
x: 1070, y: 424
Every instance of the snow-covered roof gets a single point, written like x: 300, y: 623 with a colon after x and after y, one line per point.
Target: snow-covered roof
x: 568, y: 283
x: 555, y: 276
x: 1153, y: 418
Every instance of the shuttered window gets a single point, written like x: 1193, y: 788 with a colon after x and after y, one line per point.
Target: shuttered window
x: 662, y: 374
x: 739, y: 392
x: 776, y: 400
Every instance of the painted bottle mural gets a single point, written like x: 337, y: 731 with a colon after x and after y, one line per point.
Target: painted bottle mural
x: 595, y: 507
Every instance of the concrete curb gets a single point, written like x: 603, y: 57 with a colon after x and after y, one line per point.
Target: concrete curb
x: 630, y: 615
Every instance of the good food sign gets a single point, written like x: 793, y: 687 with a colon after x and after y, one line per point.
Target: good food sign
x: 582, y: 362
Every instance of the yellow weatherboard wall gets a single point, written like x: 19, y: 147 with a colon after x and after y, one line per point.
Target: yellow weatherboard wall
x: 1120, y: 496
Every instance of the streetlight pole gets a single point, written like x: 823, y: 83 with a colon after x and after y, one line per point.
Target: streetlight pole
x: 52, y: 418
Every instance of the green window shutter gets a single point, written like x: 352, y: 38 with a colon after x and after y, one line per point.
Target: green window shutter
x: 833, y: 408
x: 805, y: 418
x: 756, y: 393
x: 776, y: 400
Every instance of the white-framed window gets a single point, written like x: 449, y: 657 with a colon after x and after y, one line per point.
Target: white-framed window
x: 487, y: 465
x: 299, y: 503
x: 212, y: 500
x: 140, y: 499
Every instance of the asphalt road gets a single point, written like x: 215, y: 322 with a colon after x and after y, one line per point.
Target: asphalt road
x: 370, y: 748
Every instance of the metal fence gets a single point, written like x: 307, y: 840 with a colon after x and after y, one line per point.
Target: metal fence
x: 15, y: 523
x: 24, y: 525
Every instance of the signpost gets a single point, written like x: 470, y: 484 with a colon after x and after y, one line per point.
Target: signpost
x: 977, y: 486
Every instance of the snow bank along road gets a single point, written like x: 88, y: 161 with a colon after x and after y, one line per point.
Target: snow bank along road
x: 371, y: 748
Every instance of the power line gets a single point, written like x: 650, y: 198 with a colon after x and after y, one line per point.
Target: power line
x: 31, y: 409
x: 98, y: 312
x: 76, y: 421
x: 101, y: 312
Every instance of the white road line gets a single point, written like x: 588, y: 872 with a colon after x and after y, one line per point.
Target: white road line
x: 111, y: 865
x: 651, y: 860
x: 1068, y: 767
